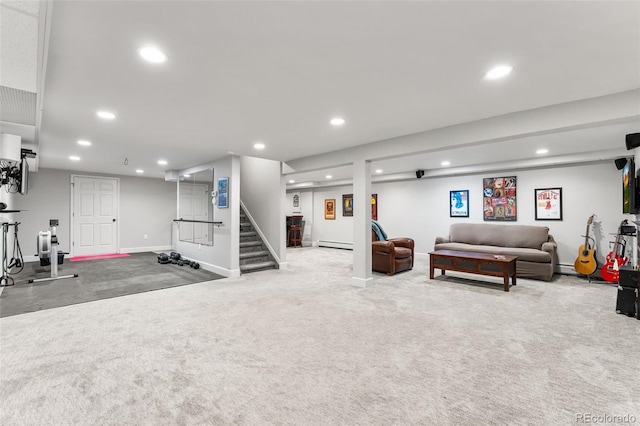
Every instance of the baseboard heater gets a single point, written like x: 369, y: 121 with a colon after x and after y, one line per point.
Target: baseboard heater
x: 335, y: 244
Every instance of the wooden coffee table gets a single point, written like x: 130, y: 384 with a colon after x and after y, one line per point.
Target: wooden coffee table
x: 474, y: 263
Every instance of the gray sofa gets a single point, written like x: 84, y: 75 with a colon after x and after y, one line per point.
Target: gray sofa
x: 535, y: 248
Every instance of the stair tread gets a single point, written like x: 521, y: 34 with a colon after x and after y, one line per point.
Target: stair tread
x: 250, y: 243
x: 248, y: 233
x: 251, y: 254
x: 254, y: 266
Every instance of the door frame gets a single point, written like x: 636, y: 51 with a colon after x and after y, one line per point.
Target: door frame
x: 72, y: 205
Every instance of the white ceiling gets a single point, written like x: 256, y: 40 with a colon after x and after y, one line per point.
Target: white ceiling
x: 276, y: 72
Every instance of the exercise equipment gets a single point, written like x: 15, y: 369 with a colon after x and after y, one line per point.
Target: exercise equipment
x: 48, y: 253
x: 176, y: 258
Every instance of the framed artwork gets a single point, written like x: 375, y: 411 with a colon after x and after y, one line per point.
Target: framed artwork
x: 459, y: 206
x: 330, y: 209
x: 296, y: 199
x: 548, y: 203
x: 374, y: 206
x: 347, y: 205
x: 499, y: 199
x: 223, y: 193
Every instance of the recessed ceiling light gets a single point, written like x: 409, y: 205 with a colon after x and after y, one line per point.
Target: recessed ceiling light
x: 74, y: 158
x: 259, y: 145
x: 338, y: 121
x: 498, y: 72
x: 186, y: 175
x: 328, y: 176
x: 152, y: 54
x: 162, y: 162
x: 84, y: 143
x: 542, y: 151
x: 139, y: 171
x: 445, y: 163
x: 106, y: 115
x: 292, y: 181
x: 379, y: 171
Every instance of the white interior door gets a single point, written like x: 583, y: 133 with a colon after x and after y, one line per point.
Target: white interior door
x: 94, y: 215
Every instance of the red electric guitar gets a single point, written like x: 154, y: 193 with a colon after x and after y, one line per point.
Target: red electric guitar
x: 611, y: 270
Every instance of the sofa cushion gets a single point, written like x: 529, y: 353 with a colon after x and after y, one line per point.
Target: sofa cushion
x: 402, y: 252
x: 525, y: 254
x: 519, y: 236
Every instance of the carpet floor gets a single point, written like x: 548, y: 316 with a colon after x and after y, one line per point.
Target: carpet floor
x: 97, y: 279
x: 304, y: 347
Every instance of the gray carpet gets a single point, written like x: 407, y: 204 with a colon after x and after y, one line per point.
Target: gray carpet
x: 304, y: 347
x: 98, y: 279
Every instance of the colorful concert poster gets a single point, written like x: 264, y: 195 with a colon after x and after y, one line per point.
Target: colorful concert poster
x: 499, y: 199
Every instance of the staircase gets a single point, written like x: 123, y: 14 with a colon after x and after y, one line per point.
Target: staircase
x: 254, y: 255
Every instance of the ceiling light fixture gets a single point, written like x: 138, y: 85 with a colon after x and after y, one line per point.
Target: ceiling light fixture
x: 379, y: 171
x: 187, y: 176
x: 292, y: 181
x: 498, y: 72
x: 152, y: 54
x: 328, y: 176
x: 338, y: 121
x: 84, y: 143
x: 259, y: 145
x: 162, y: 162
x: 74, y: 158
x: 106, y: 115
x: 139, y: 171
x: 542, y: 151
x: 445, y: 163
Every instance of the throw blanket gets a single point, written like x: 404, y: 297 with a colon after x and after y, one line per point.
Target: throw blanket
x: 382, y: 236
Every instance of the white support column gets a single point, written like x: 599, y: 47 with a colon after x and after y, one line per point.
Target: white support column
x: 282, y: 245
x: 361, y: 223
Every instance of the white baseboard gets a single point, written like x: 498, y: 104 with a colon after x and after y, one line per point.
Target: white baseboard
x: 144, y: 249
x: 361, y: 282
x: 335, y: 244
x: 565, y: 270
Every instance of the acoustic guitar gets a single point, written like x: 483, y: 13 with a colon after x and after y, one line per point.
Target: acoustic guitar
x: 611, y: 270
x: 586, y: 263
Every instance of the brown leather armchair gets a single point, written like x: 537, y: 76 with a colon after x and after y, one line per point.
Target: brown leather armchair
x: 391, y: 256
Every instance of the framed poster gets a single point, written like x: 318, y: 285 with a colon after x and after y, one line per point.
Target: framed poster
x: 459, y: 203
x: 548, y: 203
x: 499, y: 199
x: 330, y: 209
x: 347, y: 205
x: 223, y: 193
x: 374, y: 206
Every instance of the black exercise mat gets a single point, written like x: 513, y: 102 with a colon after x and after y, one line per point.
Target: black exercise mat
x: 98, y: 279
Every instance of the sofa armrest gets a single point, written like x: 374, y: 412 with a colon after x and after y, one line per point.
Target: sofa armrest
x: 440, y: 240
x: 403, y: 242
x: 549, y: 247
x: 385, y: 247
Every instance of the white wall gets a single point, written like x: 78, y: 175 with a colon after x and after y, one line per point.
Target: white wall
x: 419, y: 208
x: 146, y: 207
x: 260, y: 193
x: 223, y: 257
x: 338, y: 230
